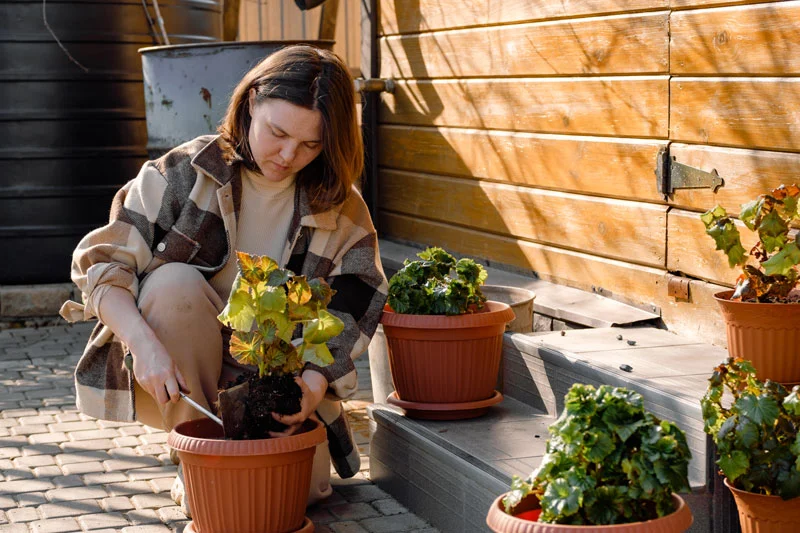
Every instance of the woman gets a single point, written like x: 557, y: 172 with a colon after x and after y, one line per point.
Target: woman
x: 277, y: 181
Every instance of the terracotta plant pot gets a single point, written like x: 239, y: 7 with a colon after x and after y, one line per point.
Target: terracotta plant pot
x: 766, y: 334
x: 520, y: 301
x: 257, y: 486
x: 501, y: 522
x: 446, y: 359
x: 766, y: 514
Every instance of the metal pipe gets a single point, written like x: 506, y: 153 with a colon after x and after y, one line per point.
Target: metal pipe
x: 374, y: 85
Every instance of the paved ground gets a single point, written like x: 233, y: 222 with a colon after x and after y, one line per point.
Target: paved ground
x: 61, y: 471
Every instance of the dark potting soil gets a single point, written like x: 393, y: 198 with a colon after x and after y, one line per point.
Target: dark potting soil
x: 268, y: 394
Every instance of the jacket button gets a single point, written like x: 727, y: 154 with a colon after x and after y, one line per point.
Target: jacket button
x: 161, y: 247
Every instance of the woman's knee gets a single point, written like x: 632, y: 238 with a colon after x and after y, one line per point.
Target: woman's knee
x: 177, y: 290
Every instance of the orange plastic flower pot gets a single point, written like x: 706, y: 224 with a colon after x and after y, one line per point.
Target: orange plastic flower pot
x: 446, y: 359
x: 766, y: 514
x: 501, y: 522
x: 767, y: 334
x: 247, y: 486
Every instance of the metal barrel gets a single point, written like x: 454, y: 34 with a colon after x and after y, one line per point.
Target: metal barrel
x: 187, y: 87
x: 71, y: 137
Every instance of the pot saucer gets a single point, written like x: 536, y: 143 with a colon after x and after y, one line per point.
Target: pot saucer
x: 307, y: 527
x: 445, y: 411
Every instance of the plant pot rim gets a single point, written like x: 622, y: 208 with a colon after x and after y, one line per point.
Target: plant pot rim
x: 493, y: 313
x: 724, y: 297
x: 754, y: 495
x: 183, y: 442
x: 503, y: 521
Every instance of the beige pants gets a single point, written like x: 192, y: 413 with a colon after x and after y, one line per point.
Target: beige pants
x: 181, y: 308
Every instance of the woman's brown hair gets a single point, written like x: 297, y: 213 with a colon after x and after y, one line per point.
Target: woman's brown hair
x: 314, y: 79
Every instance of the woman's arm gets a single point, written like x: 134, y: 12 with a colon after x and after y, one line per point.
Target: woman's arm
x: 152, y: 366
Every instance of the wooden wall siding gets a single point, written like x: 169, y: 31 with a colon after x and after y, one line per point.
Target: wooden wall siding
x: 632, y: 231
x: 629, y: 44
x: 747, y: 173
x: 410, y: 16
x: 744, y: 112
x: 693, y: 252
x: 591, y: 165
x: 691, y: 4
x: 698, y: 317
x: 742, y: 40
x: 635, y: 106
x: 283, y: 20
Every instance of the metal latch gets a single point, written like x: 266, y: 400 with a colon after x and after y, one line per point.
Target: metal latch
x: 678, y: 287
x: 671, y: 175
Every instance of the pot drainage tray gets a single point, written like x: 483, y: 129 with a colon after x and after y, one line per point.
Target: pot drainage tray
x: 445, y: 411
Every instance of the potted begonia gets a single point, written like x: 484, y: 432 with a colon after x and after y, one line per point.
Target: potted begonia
x: 610, y: 466
x: 243, y: 480
x: 444, y: 339
x: 762, y: 313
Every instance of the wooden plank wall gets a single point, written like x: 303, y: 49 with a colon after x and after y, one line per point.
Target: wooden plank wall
x: 282, y: 20
x: 525, y: 132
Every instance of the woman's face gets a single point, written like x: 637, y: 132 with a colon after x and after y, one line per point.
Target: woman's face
x: 284, y: 137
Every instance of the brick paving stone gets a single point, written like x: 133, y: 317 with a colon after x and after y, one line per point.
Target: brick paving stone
x: 33, y: 429
x: 390, y: 524
x: 24, y: 514
x: 19, y: 413
x: 152, y: 501
x: 153, y: 472
x: 76, y: 493
x: 103, y: 520
x: 102, y: 478
x: 39, y: 419
x: 171, y: 514
x: 120, y: 453
x: 73, y: 426
x: 81, y: 457
x: 142, y: 517
x: 25, y: 485
x: 147, y: 529
x: 319, y: 516
x: 7, y: 502
x: 162, y: 484
x: 67, y: 481
x: 31, y: 499
x: 87, y: 445
x: 73, y: 508
x: 93, y: 434
x: 346, y: 527
x: 154, y: 438
x: 129, y: 488
x: 13, y: 441
x: 67, y: 417
x: 3, y: 519
x: 122, y: 442
x: 15, y: 474
x: 47, y: 438
x: 9, y: 453
x: 151, y: 449
x: 83, y: 468
x: 361, y: 493
x: 117, y: 503
x: 47, y: 471
x: 132, y: 431
x: 13, y: 528
x: 41, y: 449
x: 34, y: 460
x: 57, y: 525
x: 353, y: 511
x: 130, y: 463
x: 389, y: 506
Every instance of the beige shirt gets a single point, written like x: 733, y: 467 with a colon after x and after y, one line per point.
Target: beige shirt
x: 264, y: 219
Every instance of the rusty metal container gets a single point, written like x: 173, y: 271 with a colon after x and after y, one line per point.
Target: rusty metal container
x: 72, y: 137
x: 187, y: 87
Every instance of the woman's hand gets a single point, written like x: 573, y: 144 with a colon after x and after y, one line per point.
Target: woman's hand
x: 155, y: 370
x: 313, y: 386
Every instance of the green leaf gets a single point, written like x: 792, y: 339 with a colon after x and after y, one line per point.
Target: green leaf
x: 273, y: 299
x: 246, y: 347
x: 519, y: 489
x: 320, y: 329
x: 239, y: 312
x: 782, y: 262
x: 321, y: 292
x: 749, y: 213
x: 318, y: 354
x: 600, y: 446
x: 792, y: 402
x: 560, y: 498
x: 760, y: 409
x: 773, y: 231
x: 746, y: 433
x: 734, y: 464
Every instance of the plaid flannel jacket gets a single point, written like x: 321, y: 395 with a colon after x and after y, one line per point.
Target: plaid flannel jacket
x: 184, y: 207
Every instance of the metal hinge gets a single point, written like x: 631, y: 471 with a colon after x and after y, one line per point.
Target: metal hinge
x: 678, y: 287
x: 671, y: 175
x: 374, y: 85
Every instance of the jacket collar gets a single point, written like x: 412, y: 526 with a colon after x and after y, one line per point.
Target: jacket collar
x: 209, y: 160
